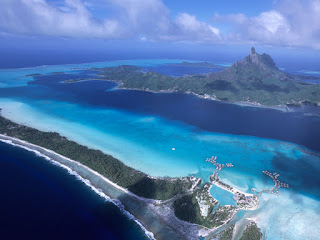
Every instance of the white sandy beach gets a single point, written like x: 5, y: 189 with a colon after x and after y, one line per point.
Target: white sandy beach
x: 165, y: 218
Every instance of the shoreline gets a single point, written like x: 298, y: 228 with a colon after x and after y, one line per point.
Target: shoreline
x: 155, y: 223
x: 87, y: 182
x: 236, y: 191
x: 282, y: 108
x: 83, y: 63
x: 233, y: 191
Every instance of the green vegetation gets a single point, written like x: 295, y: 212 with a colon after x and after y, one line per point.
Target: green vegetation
x: 254, y: 79
x: 135, y: 181
x: 195, y: 64
x: 34, y: 74
x: 221, y: 215
x: 78, y: 80
x: 57, y: 73
x: 252, y: 232
x: 226, y: 234
x: 205, y: 200
x: 133, y: 77
x: 187, y: 208
x: 203, y: 195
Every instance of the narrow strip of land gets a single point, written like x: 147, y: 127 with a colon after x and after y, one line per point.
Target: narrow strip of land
x: 143, y: 209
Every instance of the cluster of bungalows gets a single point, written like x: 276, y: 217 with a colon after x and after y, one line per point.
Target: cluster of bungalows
x: 218, y: 166
x: 277, y: 183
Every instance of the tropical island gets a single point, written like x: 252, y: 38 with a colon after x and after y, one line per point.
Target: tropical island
x: 195, y: 64
x: 255, y: 80
x: 184, y: 205
x: 183, y: 208
x: 33, y: 75
x: 134, y: 180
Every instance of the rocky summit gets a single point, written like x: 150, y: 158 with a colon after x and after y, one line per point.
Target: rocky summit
x: 254, y: 79
x: 253, y: 67
x: 264, y: 61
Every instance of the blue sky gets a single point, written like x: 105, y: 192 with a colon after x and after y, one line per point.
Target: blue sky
x: 205, y: 9
x: 148, y: 24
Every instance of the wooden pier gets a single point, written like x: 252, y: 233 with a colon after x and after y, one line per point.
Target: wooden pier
x: 218, y: 166
x: 277, y: 184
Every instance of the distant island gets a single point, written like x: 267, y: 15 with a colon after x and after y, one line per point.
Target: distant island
x: 33, y: 75
x: 57, y: 73
x: 255, y: 80
x: 195, y: 64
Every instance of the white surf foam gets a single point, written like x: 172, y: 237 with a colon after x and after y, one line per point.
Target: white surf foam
x: 87, y: 182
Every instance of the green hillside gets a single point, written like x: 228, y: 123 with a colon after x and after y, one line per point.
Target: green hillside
x: 254, y: 79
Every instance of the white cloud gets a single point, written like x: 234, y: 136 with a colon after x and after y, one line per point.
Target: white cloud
x: 272, y: 22
x: 188, y: 27
x: 38, y: 17
x: 304, y: 19
x: 142, y: 17
x: 188, y: 22
x: 269, y: 27
x: 128, y: 19
x: 290, y: 23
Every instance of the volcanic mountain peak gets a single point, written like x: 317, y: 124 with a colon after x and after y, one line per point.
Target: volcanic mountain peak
x: 263, y: 61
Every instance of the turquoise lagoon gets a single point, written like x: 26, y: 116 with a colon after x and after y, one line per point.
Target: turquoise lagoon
x: 146, y: 142
x: 17, y: 77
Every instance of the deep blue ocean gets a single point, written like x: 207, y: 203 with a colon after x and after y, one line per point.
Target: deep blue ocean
x: 42, y: 201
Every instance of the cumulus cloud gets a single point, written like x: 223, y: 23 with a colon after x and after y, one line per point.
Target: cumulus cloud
x: 268, y: 27
x: 304, y: 19
x: 41, y: 18
x: 290, y: 23
x: 131, y: 18
x: 186, y: 27
x: 142, y: 16
x: 190, y: 27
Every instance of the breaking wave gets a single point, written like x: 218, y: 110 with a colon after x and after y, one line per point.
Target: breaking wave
x: 87, y: 182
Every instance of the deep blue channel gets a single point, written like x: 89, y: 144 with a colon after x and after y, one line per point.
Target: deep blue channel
x: 42, y: 201
x: 300, y: 126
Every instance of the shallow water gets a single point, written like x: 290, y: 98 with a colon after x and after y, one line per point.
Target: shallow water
x: 141, y: 129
